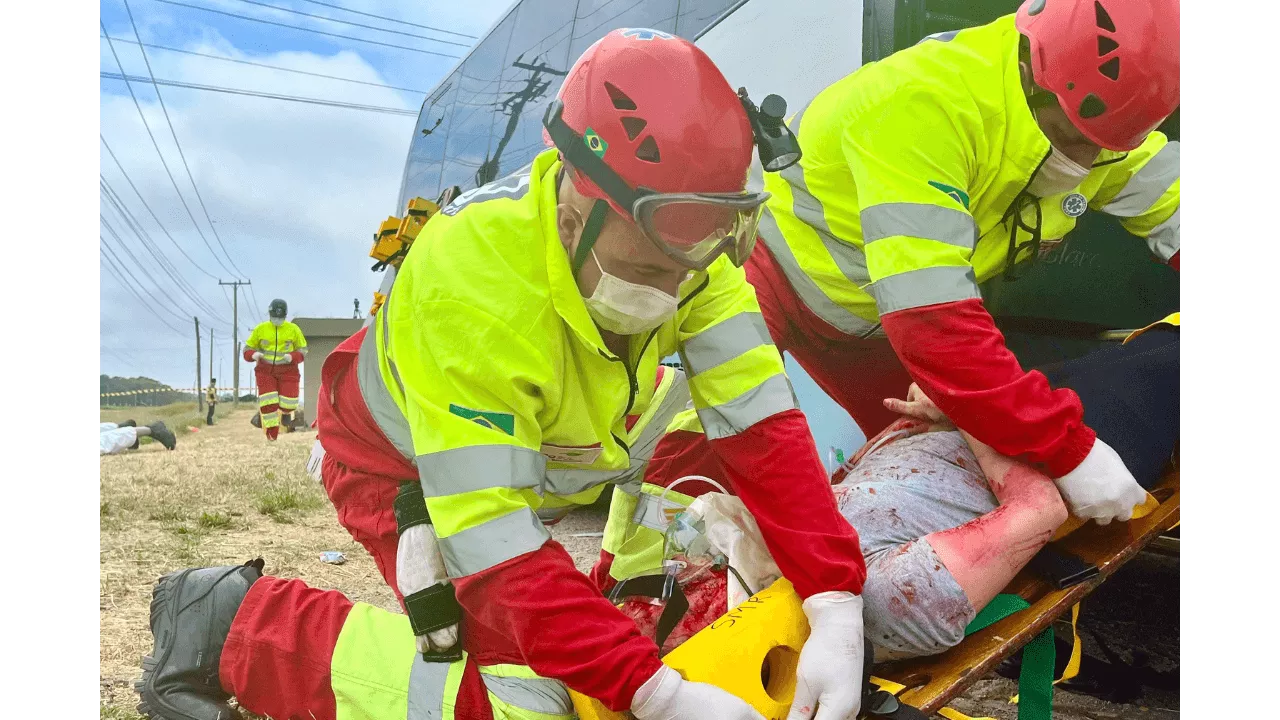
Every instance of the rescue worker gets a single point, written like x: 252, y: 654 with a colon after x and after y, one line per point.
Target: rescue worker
x: 115, y: 438
x: 947, y: 164
x: 211, y: 398
x: 278, y: 347
x: 511, y: 373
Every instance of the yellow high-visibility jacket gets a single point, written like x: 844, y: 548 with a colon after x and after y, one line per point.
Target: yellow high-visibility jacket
x: 276, y: 343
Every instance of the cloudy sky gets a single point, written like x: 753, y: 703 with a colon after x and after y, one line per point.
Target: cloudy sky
x: 294, y: 190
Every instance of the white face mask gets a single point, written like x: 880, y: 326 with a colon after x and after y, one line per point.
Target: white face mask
x: 277, y: 321
x: 1057, y: 175
x: 627, y: 308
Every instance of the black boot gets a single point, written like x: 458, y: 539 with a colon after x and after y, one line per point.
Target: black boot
x: 163, y: 435
x: 191, y: 614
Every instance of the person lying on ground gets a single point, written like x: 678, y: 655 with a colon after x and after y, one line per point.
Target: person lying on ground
x: 114, y: 438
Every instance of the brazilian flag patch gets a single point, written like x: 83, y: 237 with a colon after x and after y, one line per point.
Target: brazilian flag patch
x: 595, y: 143
x: 506, y: 422
x: 956, y: 194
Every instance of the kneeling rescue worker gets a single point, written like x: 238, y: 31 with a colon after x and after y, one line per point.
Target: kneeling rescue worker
x: 512, y: 373
x: 278, y: 347
x: 945, y: 165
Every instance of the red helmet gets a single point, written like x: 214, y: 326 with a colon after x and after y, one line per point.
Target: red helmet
x: 1113, y: 64
x: 666, y: 136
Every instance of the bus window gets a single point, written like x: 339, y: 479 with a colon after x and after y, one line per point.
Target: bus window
x: 467, y: 145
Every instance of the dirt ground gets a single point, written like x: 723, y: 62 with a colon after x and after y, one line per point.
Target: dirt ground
x: 225, y: 495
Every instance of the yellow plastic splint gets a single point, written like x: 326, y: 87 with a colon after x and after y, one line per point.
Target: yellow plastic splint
x: 752, y: 652
x: 395, y: 235
x: 1073, y: 523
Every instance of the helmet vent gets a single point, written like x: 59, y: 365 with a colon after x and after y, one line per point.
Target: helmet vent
x: 1106, y: 45
x: 648, y: 151
x: 633, y: 126
x: 618, y: 98
x: 1102, y: 18
x: 1035, y: 8
x: 1111, y: 68
x: 1092, y: 106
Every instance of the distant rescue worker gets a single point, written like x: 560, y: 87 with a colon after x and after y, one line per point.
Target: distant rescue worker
x: 211, y: 399
x: 949, y: 163
x: 512, y: 374
x: 278, y: 347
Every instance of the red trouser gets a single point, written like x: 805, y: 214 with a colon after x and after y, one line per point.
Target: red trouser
x: 280, y: 384
x: 276, y: 660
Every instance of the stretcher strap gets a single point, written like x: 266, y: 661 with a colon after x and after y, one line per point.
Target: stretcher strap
x: 1035, y: 681
x: 1077, y: 648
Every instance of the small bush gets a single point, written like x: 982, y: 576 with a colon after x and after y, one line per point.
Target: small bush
x: 214, y: 521
x: 167, y: 515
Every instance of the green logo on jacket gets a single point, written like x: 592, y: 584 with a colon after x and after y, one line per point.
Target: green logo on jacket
x: 506, y: 422
x: 954, y: 193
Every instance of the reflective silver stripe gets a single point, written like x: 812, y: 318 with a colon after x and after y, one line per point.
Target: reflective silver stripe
x: 921, y: 220
x: 768, y: 398
x: 926, y: 286
x: 724, y: 341
x: 540, y: 695
x: 483, y: 546
x: 553, y: 514
x: 810, y: 294
x: 650, y: 511
x: 1164, y: 239
x: 568, y: 481
x: 850, y: 259
x: 480, y: 467
x: 1147, y: 185
x: 512, y: 187
x: 377, y: 398
x: 426, y: 689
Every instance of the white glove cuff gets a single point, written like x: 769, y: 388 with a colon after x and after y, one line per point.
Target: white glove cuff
x: 657, y: 692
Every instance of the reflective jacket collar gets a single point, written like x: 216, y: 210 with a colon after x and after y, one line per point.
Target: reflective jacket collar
x: 565, y: 295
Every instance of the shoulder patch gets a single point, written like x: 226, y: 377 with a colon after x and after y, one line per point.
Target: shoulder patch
x: 955, y: 193
x: 506, y: 422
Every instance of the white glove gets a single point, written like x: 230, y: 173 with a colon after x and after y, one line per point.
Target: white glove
x: 257, y: 356
x: 829, y: 678
x: 668, y: 696
x: 419, y: 565
x: 1101, y: 488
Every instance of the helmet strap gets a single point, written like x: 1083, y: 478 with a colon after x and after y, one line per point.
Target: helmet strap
x: 590, y: 233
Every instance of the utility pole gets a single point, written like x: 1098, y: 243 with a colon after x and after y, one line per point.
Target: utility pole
x: 235, y: 334
x: 199, y: 397
x: 211, y: 375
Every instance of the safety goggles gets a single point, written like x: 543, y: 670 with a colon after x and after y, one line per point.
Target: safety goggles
x: 693, y: 229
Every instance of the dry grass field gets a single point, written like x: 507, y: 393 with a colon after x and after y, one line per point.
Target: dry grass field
x: 226, y: 495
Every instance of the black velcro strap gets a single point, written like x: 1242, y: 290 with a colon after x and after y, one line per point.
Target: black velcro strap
x: 410, y: 507
x: 653, y: 586
x: 433, y: 608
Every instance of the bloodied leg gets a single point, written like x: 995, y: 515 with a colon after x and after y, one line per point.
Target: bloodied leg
x: 944, y: 526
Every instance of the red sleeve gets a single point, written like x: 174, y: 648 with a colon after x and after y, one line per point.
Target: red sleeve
x: 774, y: 467
x: 296, y: 357
x: 958, y: 357
x: 1173, y: 261
x: 248, y: 353
x: 564, y: 628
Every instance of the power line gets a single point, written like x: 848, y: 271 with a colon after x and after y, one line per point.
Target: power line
x: 353, y: 24
x: 389, y: 19
x: 141, y: 267
x: 270, y: 67
x: 156, y: 145
x: 104, y: 250
x: 302, y: 29
x: 140, y: 232
x: 270, y: 96
x: 162, y: 261
x: 181, y: 155
x: 149, y: 210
